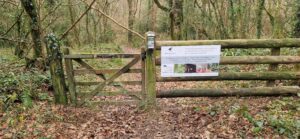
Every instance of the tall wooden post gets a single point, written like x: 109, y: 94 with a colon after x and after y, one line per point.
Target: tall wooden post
x: 56, y: 69
x: 143, y: 56
x: 70, y: 77
x: 150, y: 76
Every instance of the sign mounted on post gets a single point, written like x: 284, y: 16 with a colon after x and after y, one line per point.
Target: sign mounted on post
x: 184, y: 61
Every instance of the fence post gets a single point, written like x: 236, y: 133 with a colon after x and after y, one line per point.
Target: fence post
x: 143, y: 56
x: 150, y: 74
x: 273, y: 67
x: 70, y: 77
x: 297, y: 69
x: 56, y: 69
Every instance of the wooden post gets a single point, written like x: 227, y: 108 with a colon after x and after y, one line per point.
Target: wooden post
x: 297, y: 69
x: 70, y: 77
x: 56, y: 69
x: 273, y: 67
x: 150, y: 76
x: 143, y: 56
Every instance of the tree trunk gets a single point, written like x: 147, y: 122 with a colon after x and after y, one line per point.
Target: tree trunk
x: 260, y: 8
x: 130, y: 21
x: 232, y: 19
x: 297, y: 25
x: 20, y: 48
x: 176, y: 16
x: 87, y: 22
x: 72, y: 18
x: 31, y: 10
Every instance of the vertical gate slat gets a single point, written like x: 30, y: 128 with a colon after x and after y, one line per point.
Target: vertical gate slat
x: 70, y: 77
x: 143, y: 73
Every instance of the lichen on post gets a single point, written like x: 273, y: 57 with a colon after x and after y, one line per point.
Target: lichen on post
x: 150, y: 76
x: 56, y: 69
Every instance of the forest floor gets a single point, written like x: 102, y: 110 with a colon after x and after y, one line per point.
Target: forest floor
x: 232, y: 117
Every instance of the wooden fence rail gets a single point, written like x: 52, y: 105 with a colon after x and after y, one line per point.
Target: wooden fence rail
x: 254, y: 60
x: 236, y: 43
x: 237, y: 76
x: 243, y: 92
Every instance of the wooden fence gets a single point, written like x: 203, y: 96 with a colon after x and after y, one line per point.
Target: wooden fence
x: 150, y: 60
x: 274, y: 59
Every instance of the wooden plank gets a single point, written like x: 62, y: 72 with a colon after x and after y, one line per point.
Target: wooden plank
x: 273, y: 67
x: 238, y: 76
x: 113, y: 83
x: 254, y: 60
x: 114, y: 93
x: 103, y: 71
x: 94, y: 56
x: 235, y: 43
x: 87, y: 66
x: 243, y: 92
x: 70, y: 78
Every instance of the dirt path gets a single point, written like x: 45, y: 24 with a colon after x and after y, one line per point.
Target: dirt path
x: 174, y: 118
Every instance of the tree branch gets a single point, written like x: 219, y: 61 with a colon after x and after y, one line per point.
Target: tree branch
x: 19, y: 16
x: 116, y: 22
x: 50, y: 12
x: 166, y: 9
x: 9, y: 2
x: 74, y: 24
x: 12, y: 40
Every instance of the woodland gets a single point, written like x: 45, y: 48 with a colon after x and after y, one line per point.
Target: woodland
x: 31, y: 108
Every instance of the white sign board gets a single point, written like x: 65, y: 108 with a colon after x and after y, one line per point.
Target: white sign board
x: 183, y: 61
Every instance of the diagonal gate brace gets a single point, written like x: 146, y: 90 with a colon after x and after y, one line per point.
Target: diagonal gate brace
x: 87, y: 66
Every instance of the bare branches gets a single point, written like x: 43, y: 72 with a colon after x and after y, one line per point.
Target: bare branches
x: 52, y: 11
x: 14, y: 23
x: 9, y: 2
x: 74, y: 24
x: 12, y: 40
x: 116, y: 22
x: 161, y: 6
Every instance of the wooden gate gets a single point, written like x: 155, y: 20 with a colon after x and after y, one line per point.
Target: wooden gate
x: 101, y: 74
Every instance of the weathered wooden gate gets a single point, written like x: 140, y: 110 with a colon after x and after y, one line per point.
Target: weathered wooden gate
x: 100, y: 73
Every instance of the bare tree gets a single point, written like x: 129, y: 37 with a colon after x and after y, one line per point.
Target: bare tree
x: 176, y: 17
x: 131, y: 15
x: 72, y: 18
x: 297, y: 25
x: 260, y: 8
x: 31, y: 10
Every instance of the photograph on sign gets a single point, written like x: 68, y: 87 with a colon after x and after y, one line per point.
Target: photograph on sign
x: 184, y: 61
